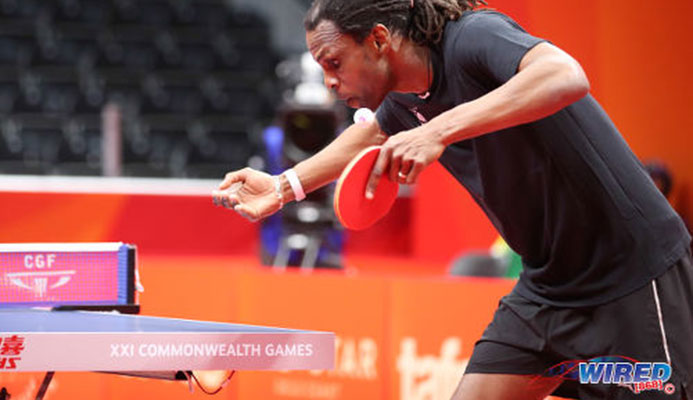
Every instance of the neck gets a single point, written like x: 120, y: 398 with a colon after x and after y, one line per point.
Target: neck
x: 414, y: 72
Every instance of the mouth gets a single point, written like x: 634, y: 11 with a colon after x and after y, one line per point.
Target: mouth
x: 343, y: 96
x: 352, y: 102
x: 349, y: 100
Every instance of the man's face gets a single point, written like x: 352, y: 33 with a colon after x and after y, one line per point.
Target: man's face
x: 356, y: 72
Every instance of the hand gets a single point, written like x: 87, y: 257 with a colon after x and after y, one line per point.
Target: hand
x: 249, y: 192
x: 403, y: 156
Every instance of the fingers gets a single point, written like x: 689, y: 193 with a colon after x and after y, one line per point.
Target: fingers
x: 247, y: 212
x: 395, y: 166
x: 233, y: 177
x: 405, y: 155
x: 414, y: 173
x: 227, y: 198
x: 224, y: 198
x: 400, y: 168
x: 404, y: 172
x: 378, y: 170
x: 218, y: 197
x: 248, y: 192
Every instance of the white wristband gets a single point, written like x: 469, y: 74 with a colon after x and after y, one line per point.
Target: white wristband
x: 295, y: 183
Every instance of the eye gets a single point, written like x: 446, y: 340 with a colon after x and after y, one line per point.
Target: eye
x: 333, y: 64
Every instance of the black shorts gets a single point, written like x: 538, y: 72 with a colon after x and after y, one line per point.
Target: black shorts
x: 652, y: 324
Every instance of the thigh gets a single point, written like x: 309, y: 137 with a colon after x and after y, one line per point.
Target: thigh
x: 475, y: 386
x: 509, y: 360
x: 525, y: 340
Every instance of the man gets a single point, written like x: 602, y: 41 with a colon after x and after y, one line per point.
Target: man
x: 606, y: 267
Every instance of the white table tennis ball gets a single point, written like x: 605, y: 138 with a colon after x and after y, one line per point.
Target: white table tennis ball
x: 363, y: 115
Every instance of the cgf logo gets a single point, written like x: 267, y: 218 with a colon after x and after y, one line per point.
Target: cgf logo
x: 11, y: 348
x: 38, y: 273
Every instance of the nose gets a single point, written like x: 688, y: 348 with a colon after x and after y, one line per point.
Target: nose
x: 331, y: 82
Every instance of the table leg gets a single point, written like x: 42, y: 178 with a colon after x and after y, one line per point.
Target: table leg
x: 44, y: 385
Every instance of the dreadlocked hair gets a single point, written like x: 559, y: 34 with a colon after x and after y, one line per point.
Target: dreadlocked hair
x: 423, y: 23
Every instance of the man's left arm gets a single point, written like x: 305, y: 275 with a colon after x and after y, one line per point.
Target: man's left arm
x: 547, y: 80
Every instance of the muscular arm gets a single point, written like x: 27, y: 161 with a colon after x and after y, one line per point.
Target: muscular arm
x: 548, y: 80
x: 252, y: 193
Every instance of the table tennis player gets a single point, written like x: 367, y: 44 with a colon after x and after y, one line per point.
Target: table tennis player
x: 607, y: 270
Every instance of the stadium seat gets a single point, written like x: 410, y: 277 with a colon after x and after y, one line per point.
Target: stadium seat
x: 95, y: 12
x: 32, y: 144
x: 9, y: 90
x: 170, y: 65
x: 16, y: 51
x: 80, y: 148
x: 21, y: 8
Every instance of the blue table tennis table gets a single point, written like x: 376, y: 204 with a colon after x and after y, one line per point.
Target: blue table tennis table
x: 46, y: 340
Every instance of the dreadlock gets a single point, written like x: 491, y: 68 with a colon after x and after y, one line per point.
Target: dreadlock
x: 423, y: 23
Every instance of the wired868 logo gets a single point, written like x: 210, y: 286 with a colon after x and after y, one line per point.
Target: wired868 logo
x: 617, y: 370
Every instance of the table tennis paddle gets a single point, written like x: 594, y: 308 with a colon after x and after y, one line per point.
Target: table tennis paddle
x: 353, y: 209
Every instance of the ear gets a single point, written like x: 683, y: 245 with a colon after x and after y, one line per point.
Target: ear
x: 381, y: 38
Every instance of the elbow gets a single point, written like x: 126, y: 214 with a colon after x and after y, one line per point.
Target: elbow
x: 579, y: 82
x: 575, y: 84
x: 581, y: 85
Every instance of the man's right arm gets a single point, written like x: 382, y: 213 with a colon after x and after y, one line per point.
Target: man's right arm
x: 326, y: 166
x: 257, y: 198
